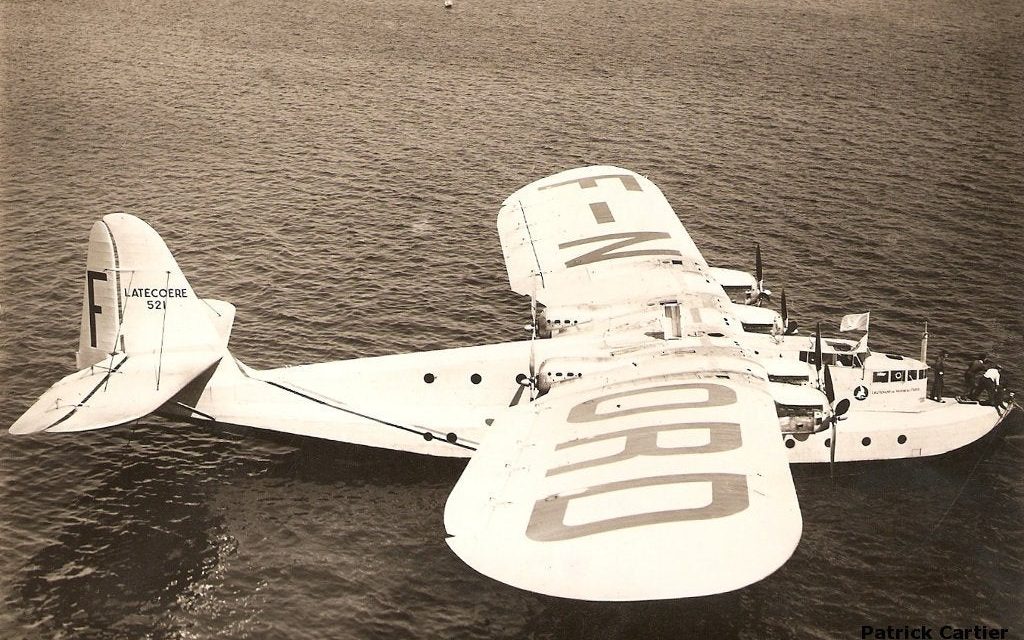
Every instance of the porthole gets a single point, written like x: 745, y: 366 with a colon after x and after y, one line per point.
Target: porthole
x: 828, y: 443
x: 428, y: 436
x: 866, y: 441
x: 451, y: 437
x: 475, y: 378
x: 790, y: 443
x: 902, y: 439
x: 428, y: 378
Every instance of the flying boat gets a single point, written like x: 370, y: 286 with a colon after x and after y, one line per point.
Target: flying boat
x: 628, y: 450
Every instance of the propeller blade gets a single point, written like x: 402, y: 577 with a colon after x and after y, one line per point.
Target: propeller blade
x: 758, y: 267
x: 832, y: 450
x: 830, y: 391
x: 785, y: 310
x: 817, y: 348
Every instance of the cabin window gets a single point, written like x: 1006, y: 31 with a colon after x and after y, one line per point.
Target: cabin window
x: 896, y: 376
x: 757, y: 328
x: 912, y: 375
x: 880, y: 376
x: 924, y: 374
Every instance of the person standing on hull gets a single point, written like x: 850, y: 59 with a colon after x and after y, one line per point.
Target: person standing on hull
x: 940, y: 375
x: 989, y: 383
x: 972, y: 374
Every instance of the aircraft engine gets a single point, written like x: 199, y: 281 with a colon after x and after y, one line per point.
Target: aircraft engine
x: 555, y: 371
x: 551, y: 321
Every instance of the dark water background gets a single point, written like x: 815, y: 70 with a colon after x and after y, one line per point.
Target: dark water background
x: 334, y: 168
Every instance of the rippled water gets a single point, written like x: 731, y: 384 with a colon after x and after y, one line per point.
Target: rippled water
x: 334, y: 168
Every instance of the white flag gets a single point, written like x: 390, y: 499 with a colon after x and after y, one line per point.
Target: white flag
x: 854, y: 321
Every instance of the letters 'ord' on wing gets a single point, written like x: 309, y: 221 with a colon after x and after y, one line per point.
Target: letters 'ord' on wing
x: 587, y: 234
x: 668, y: 487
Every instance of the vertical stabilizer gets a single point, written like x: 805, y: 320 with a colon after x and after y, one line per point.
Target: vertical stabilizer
x: 136, y: 300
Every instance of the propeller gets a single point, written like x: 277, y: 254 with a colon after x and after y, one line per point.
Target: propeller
x: 529, y: 381
x: 759, y: 295
x: 785, y: 310
x: 838, y: 410
x: 817, y: 351
x: 789, y: 326
x: 829, y: 394
x: 758, y: 266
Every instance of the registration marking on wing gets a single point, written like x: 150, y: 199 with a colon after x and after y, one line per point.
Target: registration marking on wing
x: 605, y: 416
x: 615, y: 246
x: 729, y: 495
x: 637, y: 501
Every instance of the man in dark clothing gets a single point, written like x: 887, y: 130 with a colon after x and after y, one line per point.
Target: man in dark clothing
x: 939, y: 369
x: 972, y: 374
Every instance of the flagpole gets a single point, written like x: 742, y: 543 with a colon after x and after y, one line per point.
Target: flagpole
x: 924, y: 344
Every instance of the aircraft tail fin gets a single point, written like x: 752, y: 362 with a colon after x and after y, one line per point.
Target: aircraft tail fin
x: 144, y: 334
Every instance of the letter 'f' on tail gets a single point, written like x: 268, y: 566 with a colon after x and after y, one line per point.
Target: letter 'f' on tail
x: 144, y: 334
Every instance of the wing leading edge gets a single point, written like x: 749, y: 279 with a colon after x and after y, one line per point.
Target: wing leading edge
x: 661, y: 487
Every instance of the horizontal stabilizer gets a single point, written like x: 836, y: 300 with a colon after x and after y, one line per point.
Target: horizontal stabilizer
x: 118, y: 390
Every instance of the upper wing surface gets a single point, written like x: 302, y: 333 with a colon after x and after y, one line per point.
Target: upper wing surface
x: 664, y: 487
x: 586, y: 235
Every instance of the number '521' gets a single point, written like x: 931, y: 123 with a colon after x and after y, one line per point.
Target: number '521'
x: 156, y: 304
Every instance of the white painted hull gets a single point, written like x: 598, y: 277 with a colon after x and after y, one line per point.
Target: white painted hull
x: 885, y: 435
x: 386, y: 402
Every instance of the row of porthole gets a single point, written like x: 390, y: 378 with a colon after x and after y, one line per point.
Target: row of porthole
x: 476, y: 378
x: 866, y: 441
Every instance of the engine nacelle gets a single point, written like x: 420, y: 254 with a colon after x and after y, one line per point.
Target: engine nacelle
x: 552, y: 321
x: 554, y: 371
x: 737, y: 284
x: 801, y: 408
